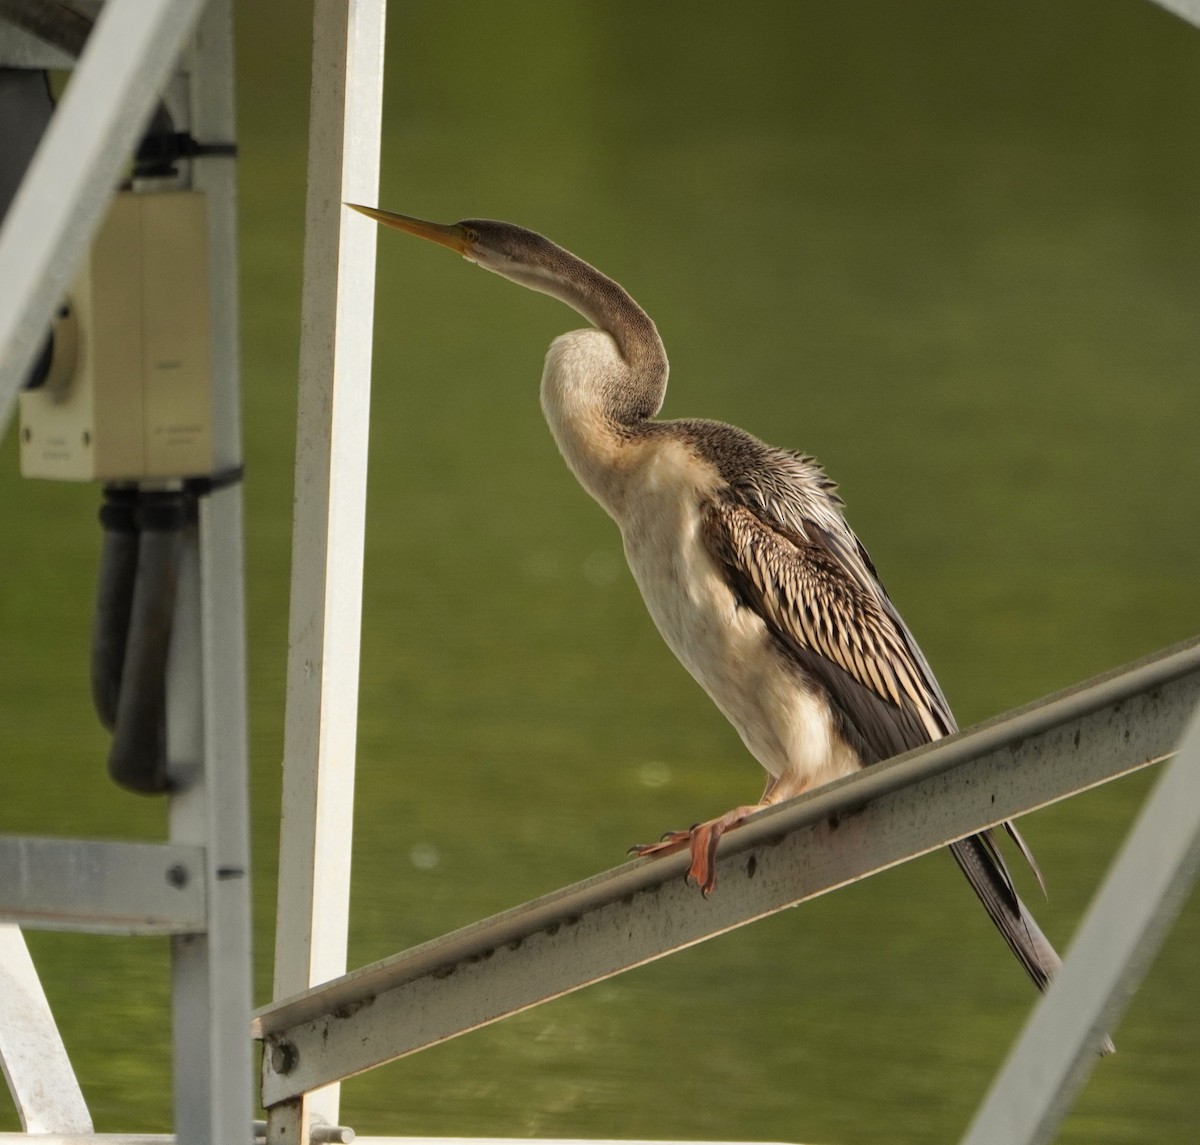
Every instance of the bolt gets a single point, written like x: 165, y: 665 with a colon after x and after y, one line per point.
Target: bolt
x: 177, y: 875
x: 284, y: 1057
x: 331, y: 1134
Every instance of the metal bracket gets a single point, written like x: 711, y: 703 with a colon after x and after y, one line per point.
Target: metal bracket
x: 102, y: 887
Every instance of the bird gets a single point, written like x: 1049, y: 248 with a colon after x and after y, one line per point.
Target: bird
x: 745, y: 562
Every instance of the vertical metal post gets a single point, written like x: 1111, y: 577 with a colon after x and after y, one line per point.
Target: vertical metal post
x: 211, y: 972
x: 1116, y: 942
x: 327, y: 545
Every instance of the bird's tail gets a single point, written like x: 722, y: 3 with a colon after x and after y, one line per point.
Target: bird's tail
x: 988, y: 875
x: 984, y: 866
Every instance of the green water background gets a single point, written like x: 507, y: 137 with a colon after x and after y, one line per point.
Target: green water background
x: 951, y: 248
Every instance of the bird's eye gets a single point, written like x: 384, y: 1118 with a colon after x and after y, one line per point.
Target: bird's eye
x: 472, y: 235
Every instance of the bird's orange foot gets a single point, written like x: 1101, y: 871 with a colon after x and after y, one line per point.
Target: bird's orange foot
x: 671, y: 842
x: 703, y: 839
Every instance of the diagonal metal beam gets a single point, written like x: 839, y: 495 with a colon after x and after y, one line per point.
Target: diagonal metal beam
x: 641, y: 911
x: 32, y: 1056
x: 1188, y: 10
x: 1116, y: 942
x: 72, y: 176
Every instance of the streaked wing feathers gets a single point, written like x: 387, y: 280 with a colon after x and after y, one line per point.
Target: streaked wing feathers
x: 836, y: 620
x: 817, y: 591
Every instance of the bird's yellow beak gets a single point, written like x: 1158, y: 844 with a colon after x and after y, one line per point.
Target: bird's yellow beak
x: 451, y: 235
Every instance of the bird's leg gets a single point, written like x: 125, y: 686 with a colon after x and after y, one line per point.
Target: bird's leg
x: 703, y: 838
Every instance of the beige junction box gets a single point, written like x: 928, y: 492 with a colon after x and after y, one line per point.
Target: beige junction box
x: 138, y: 403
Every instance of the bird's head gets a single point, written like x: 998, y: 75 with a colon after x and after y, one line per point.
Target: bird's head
x: 533, y: 261
x: 506, y: 249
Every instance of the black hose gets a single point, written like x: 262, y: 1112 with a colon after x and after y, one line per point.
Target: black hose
x: 114, y: 599
x: 137, y: 759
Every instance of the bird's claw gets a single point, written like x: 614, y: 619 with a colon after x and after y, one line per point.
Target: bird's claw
x: 703, y: 871
x: 670, y: 842
x: 702, y: 838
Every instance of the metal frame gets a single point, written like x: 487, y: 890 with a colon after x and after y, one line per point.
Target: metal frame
x: 785, y: 855
x: 196, y: 887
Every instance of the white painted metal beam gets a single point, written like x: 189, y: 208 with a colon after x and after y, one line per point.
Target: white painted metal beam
x: 102, y: 887
x: 1188, y: 10
x: 1116, y: 942
x: 32, y: 1056
x: 811, y: 845
x: 60, y: 203
x: 337, y: 322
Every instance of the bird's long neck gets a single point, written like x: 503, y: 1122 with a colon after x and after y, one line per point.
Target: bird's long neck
x: 600, y: 387
x: 631, y: 389
x: 637, y: 392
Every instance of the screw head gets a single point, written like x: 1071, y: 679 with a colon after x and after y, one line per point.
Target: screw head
x: 284, y: 1057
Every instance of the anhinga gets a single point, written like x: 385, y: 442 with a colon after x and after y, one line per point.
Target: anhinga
x: 745, y: 562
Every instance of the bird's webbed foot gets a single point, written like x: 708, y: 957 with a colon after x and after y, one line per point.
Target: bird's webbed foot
x: 703, y: 840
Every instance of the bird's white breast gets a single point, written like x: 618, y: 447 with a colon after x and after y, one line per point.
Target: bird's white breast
x: 577, y: 367
x: 726, y: 647
x: 655, y: 486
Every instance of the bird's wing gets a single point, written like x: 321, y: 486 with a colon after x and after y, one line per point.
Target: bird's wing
x: 818, y: 595
x: 815, y: 588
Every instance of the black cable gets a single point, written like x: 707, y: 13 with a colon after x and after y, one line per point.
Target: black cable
x: 138, y: 758
x: 115, y: 584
